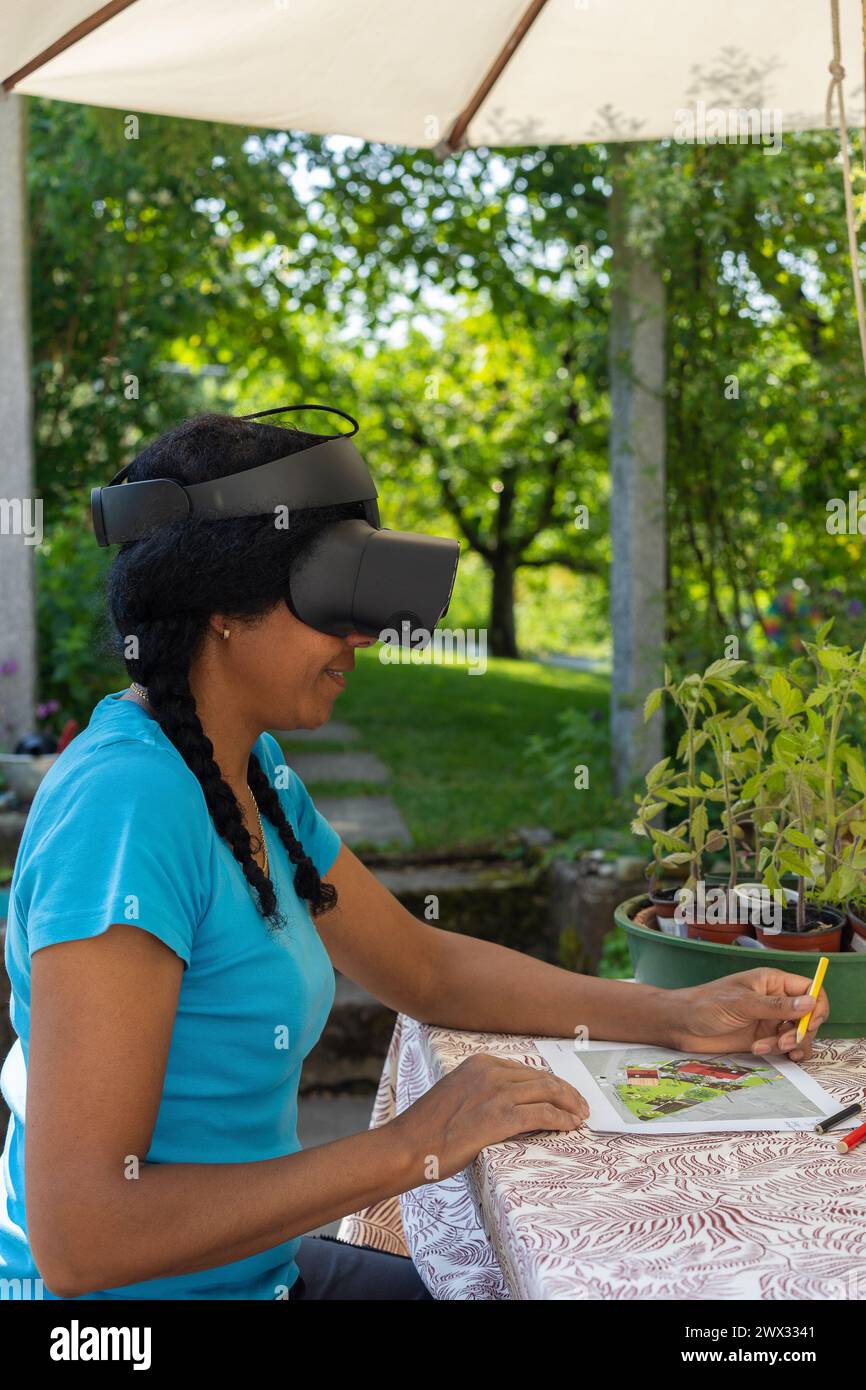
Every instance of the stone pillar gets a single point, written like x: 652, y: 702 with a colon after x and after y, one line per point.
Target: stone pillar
x: 637, y: 505
x: 18, y: 511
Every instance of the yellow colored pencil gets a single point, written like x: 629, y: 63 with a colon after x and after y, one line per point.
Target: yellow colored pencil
x: 814, y: 990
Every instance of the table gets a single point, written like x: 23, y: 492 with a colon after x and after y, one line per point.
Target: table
x: 592, y: 1216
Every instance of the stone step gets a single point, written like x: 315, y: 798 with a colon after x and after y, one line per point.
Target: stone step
x: 500, y: 901
x: 503, y: 900
x: 365, y: 820
x: 338, y: 767
x: 354, y: 1041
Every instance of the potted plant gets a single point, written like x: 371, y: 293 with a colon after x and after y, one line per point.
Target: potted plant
x: 816, y: 781
x: 685, y: 845
x: 773, y: 764
x: 669, y: 847
x: 790, y: 790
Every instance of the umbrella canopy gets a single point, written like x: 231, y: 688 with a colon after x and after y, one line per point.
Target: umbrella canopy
x: 489, y: 72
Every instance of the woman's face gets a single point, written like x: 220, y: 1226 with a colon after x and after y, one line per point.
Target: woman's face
x: 287, y: 675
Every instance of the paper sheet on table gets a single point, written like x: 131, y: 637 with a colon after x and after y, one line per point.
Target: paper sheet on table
x: 639, y: 1089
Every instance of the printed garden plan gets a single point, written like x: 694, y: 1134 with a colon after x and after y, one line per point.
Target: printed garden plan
x: 637, y: 1089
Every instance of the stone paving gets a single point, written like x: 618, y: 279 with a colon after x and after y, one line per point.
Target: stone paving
x: 339, y: 767
x: 365, y: 820
x: 372, y: 820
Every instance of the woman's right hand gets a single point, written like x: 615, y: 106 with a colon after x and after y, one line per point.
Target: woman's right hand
x: 483, y: 1101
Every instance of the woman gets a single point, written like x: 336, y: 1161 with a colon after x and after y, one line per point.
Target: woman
x: 177, y: 907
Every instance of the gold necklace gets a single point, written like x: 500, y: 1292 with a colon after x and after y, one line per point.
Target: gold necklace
x: 261, y: 830
x: 140, y: 690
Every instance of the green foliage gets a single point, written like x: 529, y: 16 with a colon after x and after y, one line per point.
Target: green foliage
x: 503, y: 225
x: 789, y: 784
x: 76, y: 667
x: 759, y: 303
x: 151, y: 259
x: 582, y: 740
x: 455, y: 743
x: 764, y: 381
x: 669, y: 787
x: 815, y: 777
x: 460, y: 306
x: 615, y: 963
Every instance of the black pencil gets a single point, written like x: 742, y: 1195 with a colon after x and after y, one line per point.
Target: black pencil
x: 837, y: 1119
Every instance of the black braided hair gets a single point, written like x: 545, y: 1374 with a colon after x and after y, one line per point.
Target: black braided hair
x: 163, y: 589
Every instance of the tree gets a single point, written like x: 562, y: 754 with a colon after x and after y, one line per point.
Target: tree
x: 506, y: 437
x: 765, y: 384
x: 154, y: 270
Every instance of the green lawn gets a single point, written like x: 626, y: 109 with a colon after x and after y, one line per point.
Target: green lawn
x: 456, y: 744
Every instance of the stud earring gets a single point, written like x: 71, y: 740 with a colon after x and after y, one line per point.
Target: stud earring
x: 225, y: 633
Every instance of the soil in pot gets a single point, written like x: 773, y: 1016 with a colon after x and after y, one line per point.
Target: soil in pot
x: 823, y: 930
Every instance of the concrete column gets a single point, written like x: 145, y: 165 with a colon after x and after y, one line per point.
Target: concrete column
x: 637, y: 509
x: 18, y: 512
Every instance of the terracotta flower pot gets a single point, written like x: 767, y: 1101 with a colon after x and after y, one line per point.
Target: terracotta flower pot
x: 858, y: 929
x: 664, y: 901
x: 824, y: 939
x: 716, y: 914
x: 721, y: 934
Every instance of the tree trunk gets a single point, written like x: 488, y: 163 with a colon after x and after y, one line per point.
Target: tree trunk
x: 637, y: 503
x: 503, y: 638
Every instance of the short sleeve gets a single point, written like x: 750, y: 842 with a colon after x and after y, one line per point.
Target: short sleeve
x: 318, y: 837
x: 123, y: 841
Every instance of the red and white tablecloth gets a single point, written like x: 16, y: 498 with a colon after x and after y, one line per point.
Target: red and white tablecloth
x: 581, y: 1215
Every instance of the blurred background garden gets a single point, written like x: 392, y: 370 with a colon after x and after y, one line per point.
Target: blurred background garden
x: 460, y: 309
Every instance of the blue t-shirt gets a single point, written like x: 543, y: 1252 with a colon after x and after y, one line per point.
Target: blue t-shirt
x: 119, y: 831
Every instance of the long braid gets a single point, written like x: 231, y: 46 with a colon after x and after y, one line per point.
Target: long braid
x: 164, y: 587
x: 164, y: 672
x: 308, y: 884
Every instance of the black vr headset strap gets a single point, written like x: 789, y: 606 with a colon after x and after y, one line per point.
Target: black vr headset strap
x: 328, y: 474
x: 331, y: 409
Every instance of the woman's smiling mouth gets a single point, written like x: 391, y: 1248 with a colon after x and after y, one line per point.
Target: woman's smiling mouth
x: 338, y: 677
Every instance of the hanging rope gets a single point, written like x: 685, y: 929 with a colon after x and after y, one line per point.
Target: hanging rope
x: 837, y: 76
x: 863, y: 11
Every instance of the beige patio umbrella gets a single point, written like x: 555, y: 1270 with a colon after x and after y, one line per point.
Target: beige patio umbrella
x: 461, y: 72
x: 405, y: 72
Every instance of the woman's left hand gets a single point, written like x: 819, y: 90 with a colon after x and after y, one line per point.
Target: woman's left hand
x: 754, y: 1011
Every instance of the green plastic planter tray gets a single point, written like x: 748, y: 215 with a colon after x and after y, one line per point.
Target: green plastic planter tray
x: 673, y: 962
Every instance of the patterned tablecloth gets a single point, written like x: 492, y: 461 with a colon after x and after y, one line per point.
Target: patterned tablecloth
x: 580, y: 1215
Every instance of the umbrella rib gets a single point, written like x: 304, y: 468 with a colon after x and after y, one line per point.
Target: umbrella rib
x: 455, y: 136
x: 78, y: 31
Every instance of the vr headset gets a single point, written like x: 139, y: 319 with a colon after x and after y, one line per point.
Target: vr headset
x: 360, y: 577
